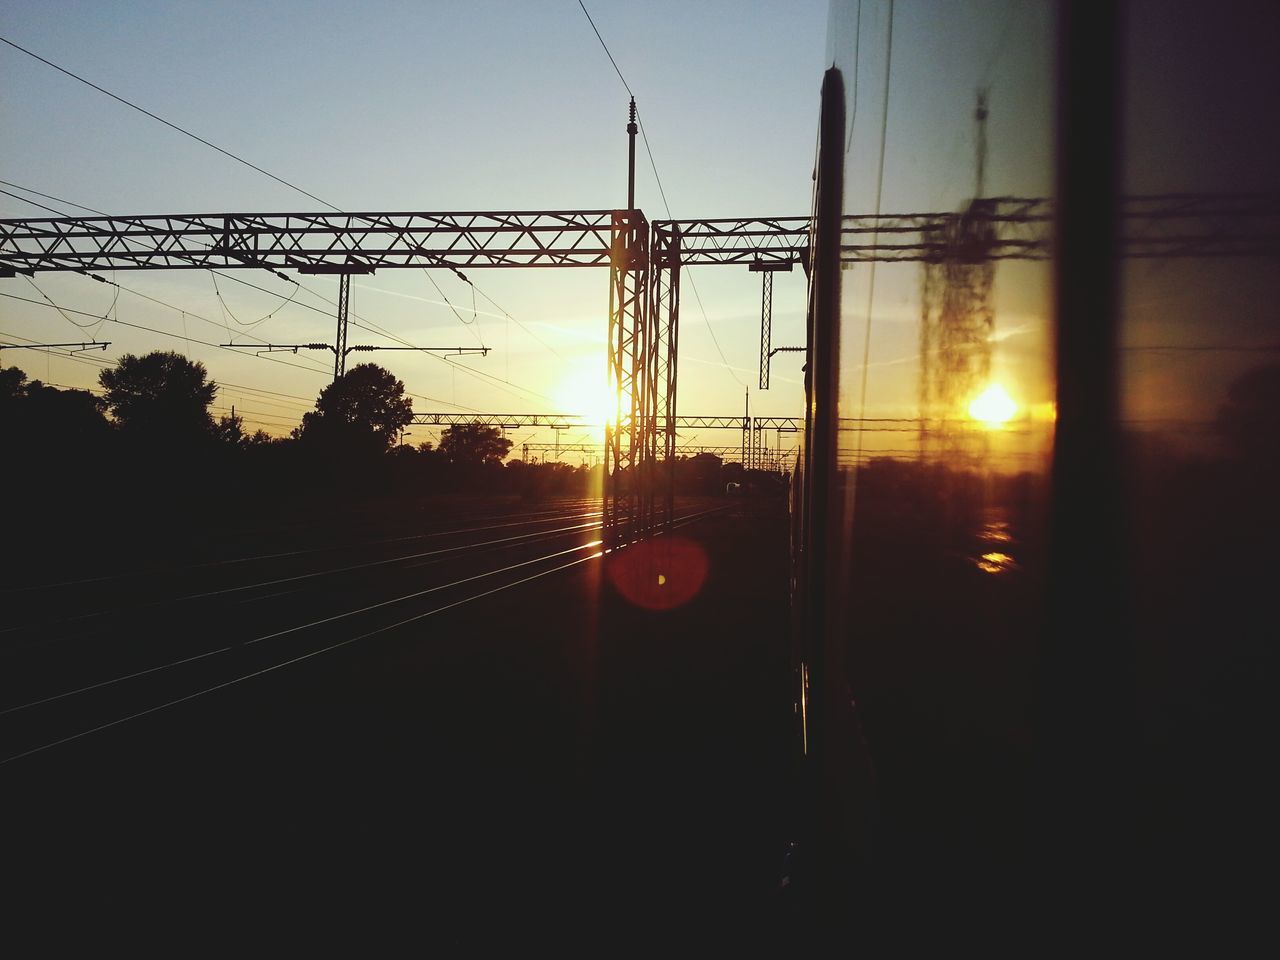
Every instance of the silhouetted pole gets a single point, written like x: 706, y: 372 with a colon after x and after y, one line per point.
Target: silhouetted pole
x: 340, y: 342
x: 980, y: 115
x: 632, y: 130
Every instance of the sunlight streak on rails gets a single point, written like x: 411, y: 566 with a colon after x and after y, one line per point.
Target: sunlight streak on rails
x: 114, y: 680
x: 549, y: 516
x: 298, y: 659
x: 79, y: 618
x: 679, y: 522
x: 304, y: 626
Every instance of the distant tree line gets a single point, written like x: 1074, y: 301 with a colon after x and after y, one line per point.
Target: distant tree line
x: 148, y: 446
x: 150, y: 439
x: 143, y: 463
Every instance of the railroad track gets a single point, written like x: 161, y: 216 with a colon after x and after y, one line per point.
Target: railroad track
x: 113, y: 657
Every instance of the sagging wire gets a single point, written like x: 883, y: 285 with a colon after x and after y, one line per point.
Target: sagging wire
x: 213, y: 275
x: 663, y: 193
x: 497, y: 306
x: 93, y: 327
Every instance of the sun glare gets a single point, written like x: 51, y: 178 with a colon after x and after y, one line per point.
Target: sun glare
x: 993, y: 407
x: 586, y: 393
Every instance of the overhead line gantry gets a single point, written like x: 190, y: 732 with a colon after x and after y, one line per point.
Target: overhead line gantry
x: 645, y: 260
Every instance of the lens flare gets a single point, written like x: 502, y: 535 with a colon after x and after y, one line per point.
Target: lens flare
x: 659, y: 574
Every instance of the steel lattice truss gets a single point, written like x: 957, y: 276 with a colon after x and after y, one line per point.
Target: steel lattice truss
x: 504, y: 421
x: 629, y: 439
x: 569, y: 421
x: 1020, y: 227
x: 1171, y: 225
x: 597, y: 449
x: 664, y: 313
x: 752, y: 449
x: 357, y: 242
x: 644, y: 262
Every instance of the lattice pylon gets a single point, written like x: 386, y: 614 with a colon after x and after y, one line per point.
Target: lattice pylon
x: 632, y: 373
x: 340, y: 340
x: 956, y: 323
x: 665, y: 317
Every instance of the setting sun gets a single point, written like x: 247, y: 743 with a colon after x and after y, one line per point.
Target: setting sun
x: 585, y: 392
x: 993, y: 406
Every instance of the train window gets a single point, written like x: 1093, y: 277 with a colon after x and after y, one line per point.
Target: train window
x: 942, y: 409
x: 1044, y: 402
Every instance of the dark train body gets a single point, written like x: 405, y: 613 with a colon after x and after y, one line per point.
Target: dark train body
x: 1035, y: 517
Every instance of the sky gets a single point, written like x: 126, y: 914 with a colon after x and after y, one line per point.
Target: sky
x: 486, y: 105
x: 911, y: 73
x: 430, y: 106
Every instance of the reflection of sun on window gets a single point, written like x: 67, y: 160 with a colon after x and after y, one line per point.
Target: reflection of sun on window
x: 996, y: 563
x: 993, y: 407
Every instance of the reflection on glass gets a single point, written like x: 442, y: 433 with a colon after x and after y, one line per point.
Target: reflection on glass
x: 996, y: 563
x: 993, y: 408
x: 945, y: 392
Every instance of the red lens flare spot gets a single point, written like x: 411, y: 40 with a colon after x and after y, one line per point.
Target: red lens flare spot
x: 659, y: 574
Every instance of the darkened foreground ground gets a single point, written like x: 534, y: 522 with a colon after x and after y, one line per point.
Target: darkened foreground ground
x: 553, y: 765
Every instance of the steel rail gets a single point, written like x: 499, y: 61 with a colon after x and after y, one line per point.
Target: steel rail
x: 682, y: 521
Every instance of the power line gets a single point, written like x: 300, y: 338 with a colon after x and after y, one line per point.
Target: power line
x: 606, y: 48
x: 206, y: 343
x: 78, y: 326
x: 138, y: 326
x: 233, y: 156
x: 224, y: 387
x: 871, y: 282
x: 663, y: 194
x: 497, y: 306
x: 174, y: 126
x: 496, y: 380
x: 9, y: 193
x: 163, y: 333
x: 99, y: 364
x: 256, y: 413
x: 136, y: 293
x: 18, y: 186
x: 185, y: 314
x: 371, y: 328
x: 215, y: 273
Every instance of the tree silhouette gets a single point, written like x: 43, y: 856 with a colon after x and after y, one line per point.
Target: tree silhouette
x: 13, y: 386
x: 365, y: 409
x: 44, y: 416
x: 230, y: 429
x: 64, y: 416
x: 473, y: 444
x: 162, y: 395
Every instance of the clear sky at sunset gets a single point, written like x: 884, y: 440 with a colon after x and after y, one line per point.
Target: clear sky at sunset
x: 415, y: 106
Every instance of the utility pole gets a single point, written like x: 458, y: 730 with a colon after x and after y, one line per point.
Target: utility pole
x: 632, y: 130
x: 980, y: 115
x: 340, y: 340
x: 344, y: 272
x: 767, y: 269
